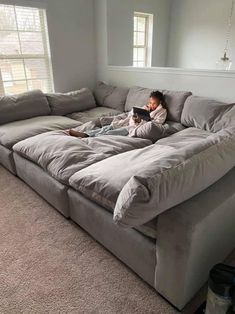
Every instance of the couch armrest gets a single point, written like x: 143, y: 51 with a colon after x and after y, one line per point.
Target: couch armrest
x: 192, y: 237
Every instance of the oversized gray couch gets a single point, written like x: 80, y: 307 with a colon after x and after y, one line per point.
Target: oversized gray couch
x: 174, y: 250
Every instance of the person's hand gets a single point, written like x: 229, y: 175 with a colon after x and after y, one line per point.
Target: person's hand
x: 146, y: 108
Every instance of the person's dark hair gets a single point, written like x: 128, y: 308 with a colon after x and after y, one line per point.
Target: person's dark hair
x: 159, y: 95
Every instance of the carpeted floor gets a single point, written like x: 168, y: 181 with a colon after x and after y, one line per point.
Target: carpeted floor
x: 50, y: 265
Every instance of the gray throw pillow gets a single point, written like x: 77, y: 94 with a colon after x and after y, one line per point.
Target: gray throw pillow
x: 110, y: 96
x: 175, y: 101
x: 23, y: 106
x: 149, y: 131
x: 138, y: 97
x: 207, y: 114
x: 63, y: 104
x: 153, y: 131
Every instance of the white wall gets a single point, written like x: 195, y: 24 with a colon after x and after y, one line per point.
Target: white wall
x: 218, y: 85
x: 198, y: 33
x: 101, y: 36
x: 120, y: 29
x: 72, y: 40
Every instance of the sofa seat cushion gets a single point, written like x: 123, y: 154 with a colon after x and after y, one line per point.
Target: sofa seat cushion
x: 110, y: 96
x: 183, y: 138
x: 93, y: 114
x: 96, y: 183
x: 156, y: 177
x: 207, y: 114
x: 23, y: 106
x: 62, y: 155
x: 13, y: 132
x: 102, y: 182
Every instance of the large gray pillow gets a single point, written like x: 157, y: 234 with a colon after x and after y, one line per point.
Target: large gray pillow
x: 163, y: 182
x: 63, y: 104
x: 23, y: 106
x: 175, y: 101
x: 137, y: 96
x: 206, y: 114
x: 110, y: 96
x: 153, y: 131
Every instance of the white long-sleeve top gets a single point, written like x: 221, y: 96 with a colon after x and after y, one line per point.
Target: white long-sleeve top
x: 158, y: 116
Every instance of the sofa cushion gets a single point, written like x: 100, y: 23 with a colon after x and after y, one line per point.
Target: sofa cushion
x: 175, y: 101
x: 154, y: 131
x: 206, y: 113
x: 165, y: 183
x: 23, y: 106
x: 14, y: 132
x: 184, y: 138
x: 110, y: 96
x: 93, y: 114
x: 137, y: 96
x: 63, y: 104
x: 96, y: 183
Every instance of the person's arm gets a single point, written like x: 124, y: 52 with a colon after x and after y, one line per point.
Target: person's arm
x: 160, y: 117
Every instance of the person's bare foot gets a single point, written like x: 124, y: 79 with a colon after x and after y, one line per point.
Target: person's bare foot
x: 77, y: 133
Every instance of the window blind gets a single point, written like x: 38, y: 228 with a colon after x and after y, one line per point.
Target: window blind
x: 25, y: 62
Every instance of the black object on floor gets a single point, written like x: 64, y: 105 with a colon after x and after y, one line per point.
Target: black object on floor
x: 201, y: 309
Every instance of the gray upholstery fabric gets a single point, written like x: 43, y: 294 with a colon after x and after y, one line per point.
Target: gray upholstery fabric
x: 134, y: 249
x: 137, y: 96
x: 154, y: 131
x: 228, y: 120
x: 149, y: 229
x: 110, y: 96
x: 184, y: 138
x: 93, y: 114
x: 175, y: 101
x: 102, y: 91
x: 50, y: 189
x: 165, y: 183
x: 192, y: 237
x: 63, y: 104
x: 206, y: 113
x: 23, y: 106
x: 63, y: 155
x: 13, y: 132
x: 6, y: 159
x: 158, y: 177
x: 96, y: 183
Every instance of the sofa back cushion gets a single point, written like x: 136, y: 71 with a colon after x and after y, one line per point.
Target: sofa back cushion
x: 175, y: 101
x: 110, y: 96
x: 207, y: 114
x: 23, y: 106
x: 139, y: 96
x: 65, y: 103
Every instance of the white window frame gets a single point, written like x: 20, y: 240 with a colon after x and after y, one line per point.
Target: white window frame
x: 148, y: 38
x: 46, y: 56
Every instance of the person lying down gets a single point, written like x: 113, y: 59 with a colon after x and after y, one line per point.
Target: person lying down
x: 130, y: 124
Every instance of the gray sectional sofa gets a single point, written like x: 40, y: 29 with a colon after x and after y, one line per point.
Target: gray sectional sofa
x: 164, y: 205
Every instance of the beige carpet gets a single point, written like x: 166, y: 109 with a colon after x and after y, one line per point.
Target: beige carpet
x: 50, y: 265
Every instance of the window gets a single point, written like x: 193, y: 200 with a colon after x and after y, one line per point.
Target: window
x: 25, y: 62
x: 143, y: 30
